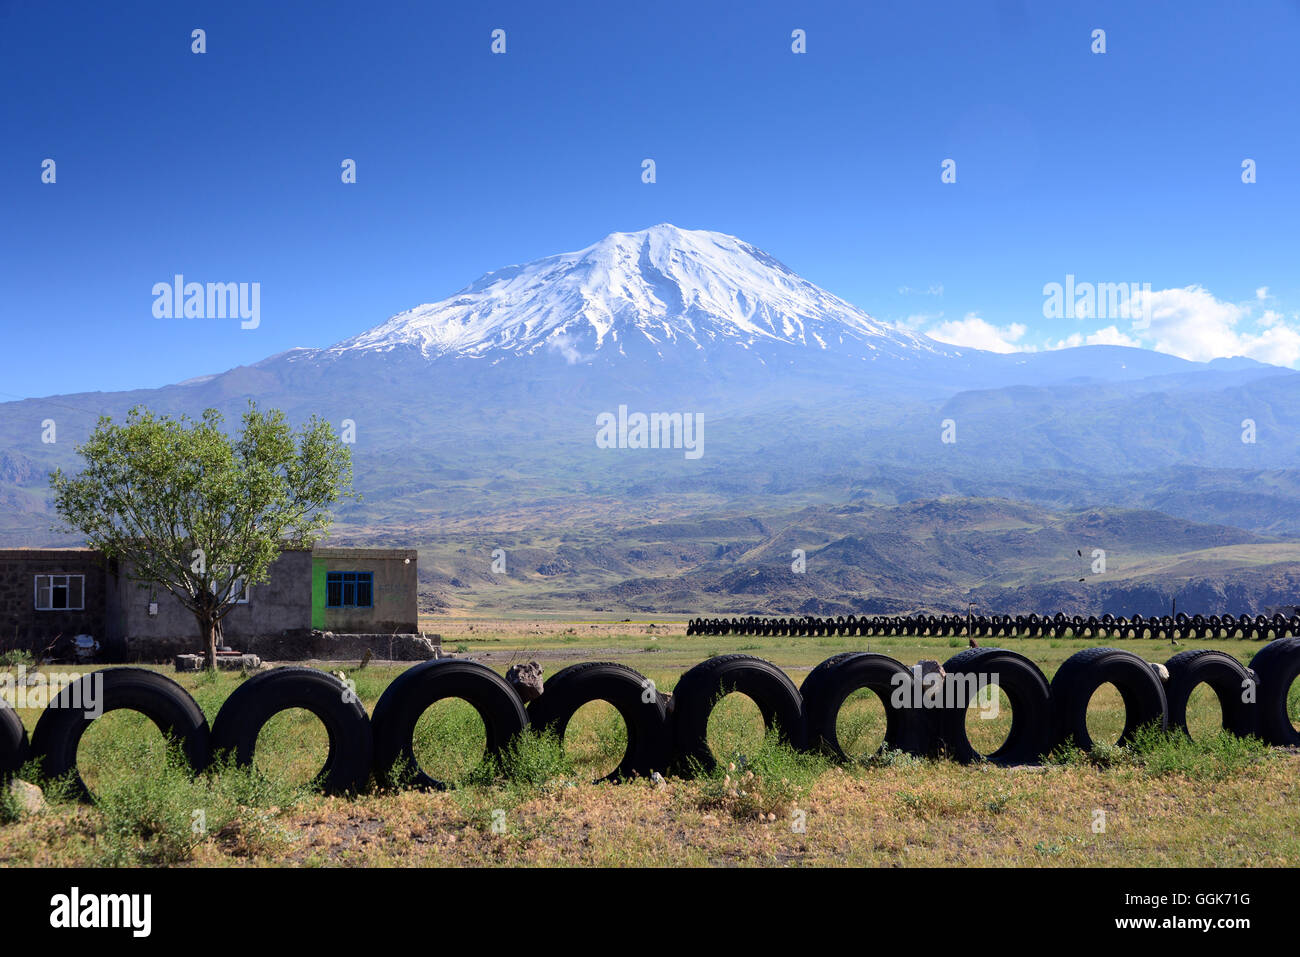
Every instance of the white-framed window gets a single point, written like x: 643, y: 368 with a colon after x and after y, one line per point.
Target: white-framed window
x: 60, y: 592
x: 238, y: 586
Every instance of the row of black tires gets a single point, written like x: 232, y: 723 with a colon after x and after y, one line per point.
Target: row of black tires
x: 1166, y: 627
x: 672, y: 736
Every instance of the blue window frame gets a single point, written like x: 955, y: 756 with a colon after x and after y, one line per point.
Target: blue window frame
x: 349, y: 589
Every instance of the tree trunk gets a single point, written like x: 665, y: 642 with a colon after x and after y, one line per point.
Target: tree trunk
x: 208, y: 629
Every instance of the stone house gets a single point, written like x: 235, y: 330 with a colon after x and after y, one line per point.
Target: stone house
x: 346, y: 598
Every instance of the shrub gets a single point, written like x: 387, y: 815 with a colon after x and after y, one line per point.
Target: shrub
x: 1215, y: 758
x: 16, y: 657
x: 1160, y: 752
x: 531, y: 759
x: 162, y: 819
x: 766, y: 782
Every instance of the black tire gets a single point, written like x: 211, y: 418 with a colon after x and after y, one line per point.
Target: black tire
x: 906, y: 728
x: 414, y: 690
x: 632, y: 695
x: 261, y: 697
x: 13, y: 742
x: 1084, y: 672
x: 1226, y: 677
x: 1277, y: 664
x: 169, y: 706
x: 700, y: 689
x: 817, y: 676
x: 1027, y: 689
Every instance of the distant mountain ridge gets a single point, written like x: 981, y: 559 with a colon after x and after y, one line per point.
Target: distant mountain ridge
x: 931, y: 556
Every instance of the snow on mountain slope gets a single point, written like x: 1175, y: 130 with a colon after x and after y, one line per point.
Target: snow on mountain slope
x: 658, y: 290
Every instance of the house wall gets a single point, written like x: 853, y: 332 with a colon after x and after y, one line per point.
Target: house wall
x: 396, y: 599
x: 281, y: 604
x: 21, y: 625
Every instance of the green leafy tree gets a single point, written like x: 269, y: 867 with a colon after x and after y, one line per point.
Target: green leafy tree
x: 182, y: 505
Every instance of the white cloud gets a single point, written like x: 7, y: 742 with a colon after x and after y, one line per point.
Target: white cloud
x: 1189, y: 322
x: 1279, y: 345
x: 1193, y: 324
x: 976, y: 333
x: 567, y: 348
x: 1110, y: 336
x: 1069, y: 342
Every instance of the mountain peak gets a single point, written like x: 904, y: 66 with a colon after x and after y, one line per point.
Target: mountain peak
x: 647, y: 293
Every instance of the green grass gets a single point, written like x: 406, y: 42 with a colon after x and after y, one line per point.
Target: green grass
x: 860, y: 725
x: 988, y: 721
x: 595, y: 740
x: 449, y: 741
x: 674, y: 651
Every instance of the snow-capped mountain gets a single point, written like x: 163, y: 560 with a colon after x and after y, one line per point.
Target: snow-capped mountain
x: 661, y: 291
x: 697, y: 315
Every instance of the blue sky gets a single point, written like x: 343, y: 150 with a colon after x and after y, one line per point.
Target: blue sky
x: 1115, y: 167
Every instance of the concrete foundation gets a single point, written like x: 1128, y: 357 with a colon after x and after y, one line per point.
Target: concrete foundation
x: 303, y: 645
